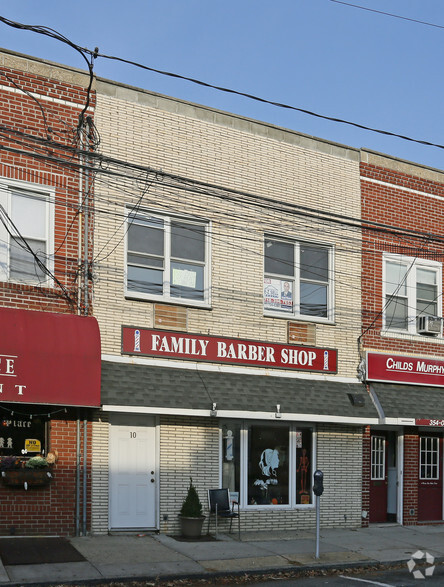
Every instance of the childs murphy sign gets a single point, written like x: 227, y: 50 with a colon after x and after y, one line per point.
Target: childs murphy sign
x: 405, y: 369
x: 196, y: 347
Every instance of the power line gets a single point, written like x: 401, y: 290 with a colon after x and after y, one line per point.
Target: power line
x: 432, y: 24
x: 49, y: 32
x: 95, y: 54
x: 243, y: 202
x: 271, y: 102
x: 221, y: 192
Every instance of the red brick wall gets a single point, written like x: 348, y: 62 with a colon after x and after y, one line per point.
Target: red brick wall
x: 366, y: 456
x: 51, y: 509
x: 411, y: 468
x: 390, y: 205
x: 38, y: 137
x: 394, y: 206
x: 47, y: 130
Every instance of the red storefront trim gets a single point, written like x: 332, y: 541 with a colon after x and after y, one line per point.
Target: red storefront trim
x: 198, y: 347
x: 49, y: 358
x: 405, y: 369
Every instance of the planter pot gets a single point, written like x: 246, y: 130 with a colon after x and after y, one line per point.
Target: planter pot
x: 26, y: 477
x: 191, y: 527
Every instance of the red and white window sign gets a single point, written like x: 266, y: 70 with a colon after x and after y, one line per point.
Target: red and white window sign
x: 404, y: 369
x: 196, y: 347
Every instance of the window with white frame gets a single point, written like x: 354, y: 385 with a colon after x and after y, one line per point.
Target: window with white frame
x: 412, y: 289
x: 26, y: 233
x: 268, y: 465
x: 298, y: 279
x: 167, y: 258
x: 429, y: 457
x: 378, y: 458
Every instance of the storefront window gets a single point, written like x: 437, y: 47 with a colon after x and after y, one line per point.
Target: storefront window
x: 267, y: 465
x: 303, y: 466
x: 268, y: 479
x: 231, y: 457
x: 22, y: 436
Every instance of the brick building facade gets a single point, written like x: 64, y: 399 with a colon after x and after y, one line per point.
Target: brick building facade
x: 258, y: 294
x: 47, y: 339
x: 401, y: 342
x: 210, y: 220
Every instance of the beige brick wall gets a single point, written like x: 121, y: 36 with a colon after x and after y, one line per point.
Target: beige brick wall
x: 244, y: 155
x: 99, y: 474
x: 189, y: 447
x: 339, y: 456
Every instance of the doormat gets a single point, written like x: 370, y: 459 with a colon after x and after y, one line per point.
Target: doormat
x: 37, y: 551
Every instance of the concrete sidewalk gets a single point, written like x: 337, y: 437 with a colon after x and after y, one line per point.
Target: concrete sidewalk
x: 152, y: 556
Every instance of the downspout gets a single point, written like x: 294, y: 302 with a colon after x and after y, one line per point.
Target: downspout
x: 86, y: 239
x: 78, y: 478
x: 85, y: 472
x: 376, y: 403
x: 81, y: 221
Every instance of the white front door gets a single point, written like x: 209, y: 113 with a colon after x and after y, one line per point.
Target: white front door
x: 132, y: 474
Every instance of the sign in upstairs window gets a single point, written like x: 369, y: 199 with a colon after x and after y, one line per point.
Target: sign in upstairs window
x: 412, y: 290
x: 297, y: 279
x: 167, y: 258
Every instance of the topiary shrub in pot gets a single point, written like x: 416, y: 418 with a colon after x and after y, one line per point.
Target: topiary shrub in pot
x: 191, y: 518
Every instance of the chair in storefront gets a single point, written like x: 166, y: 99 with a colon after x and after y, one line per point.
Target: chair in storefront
x: 221, y: 506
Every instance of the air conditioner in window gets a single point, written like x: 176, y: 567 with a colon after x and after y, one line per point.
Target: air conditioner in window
x: 429, y: 325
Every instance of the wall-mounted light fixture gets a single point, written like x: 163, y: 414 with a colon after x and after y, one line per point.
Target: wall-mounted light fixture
x: 213, y: 411
x: 278, y: 411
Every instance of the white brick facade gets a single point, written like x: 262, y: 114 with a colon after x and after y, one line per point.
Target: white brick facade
x: 253, y: 159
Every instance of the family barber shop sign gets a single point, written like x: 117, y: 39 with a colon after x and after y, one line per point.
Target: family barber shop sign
x: 196, y: 347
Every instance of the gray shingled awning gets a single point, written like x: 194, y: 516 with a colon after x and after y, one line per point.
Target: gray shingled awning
x: 163, y: 389
x: 410, y: 401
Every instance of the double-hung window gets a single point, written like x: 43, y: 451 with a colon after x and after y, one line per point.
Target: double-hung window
x: 298, y: 279
x: 167, y: 258
x: 26, y: 234
x: 412, y: 289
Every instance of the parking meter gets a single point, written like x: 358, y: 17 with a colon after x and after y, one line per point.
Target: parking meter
x: 318, y: 482
x: 318, y: 489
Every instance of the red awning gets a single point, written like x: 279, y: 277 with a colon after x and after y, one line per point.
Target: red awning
x: 49, y: 358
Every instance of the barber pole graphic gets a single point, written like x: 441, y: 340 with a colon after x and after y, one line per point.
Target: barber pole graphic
x: 137, y: 341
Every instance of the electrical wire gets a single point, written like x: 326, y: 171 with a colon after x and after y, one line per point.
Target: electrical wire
x: 94, y: 54
x: 438, y: 26
x: 270, y: 102
x: 49, y: 32
x: 18, y: 238
x: 194, y: 185
x: 206, y: 185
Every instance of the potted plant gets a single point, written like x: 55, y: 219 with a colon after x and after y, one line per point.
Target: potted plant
x: 191, y: 517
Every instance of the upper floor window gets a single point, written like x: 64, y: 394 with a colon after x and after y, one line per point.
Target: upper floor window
x: 298, y: 279
x: 167, y: 258
x: 412, y: 291
x: 26, y: 234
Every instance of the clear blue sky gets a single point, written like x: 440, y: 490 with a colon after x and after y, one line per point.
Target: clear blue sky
x: 319, y: 55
